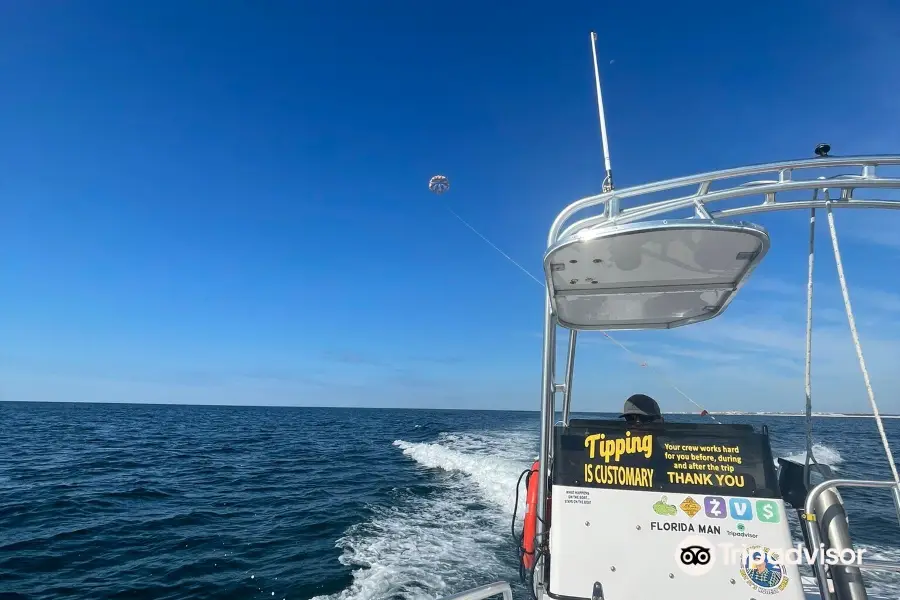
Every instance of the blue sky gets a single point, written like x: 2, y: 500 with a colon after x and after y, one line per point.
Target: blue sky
x: 225, y: 202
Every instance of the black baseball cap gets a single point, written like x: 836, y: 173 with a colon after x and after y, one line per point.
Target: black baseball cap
x: 641, y: 405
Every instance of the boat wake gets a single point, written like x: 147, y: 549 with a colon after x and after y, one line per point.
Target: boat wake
x: 492, y: 463
x: 822, y: 453
x: 453, y: 536
x: 457, y: 534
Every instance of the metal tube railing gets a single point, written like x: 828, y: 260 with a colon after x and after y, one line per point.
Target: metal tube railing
x: 867, y: 180
x: 815, y: 537
x: 570, y: 370
x: 548, y: 406
x: 485, y: 591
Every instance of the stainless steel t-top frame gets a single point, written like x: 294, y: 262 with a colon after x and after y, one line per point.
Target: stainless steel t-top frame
x: 621, y: 270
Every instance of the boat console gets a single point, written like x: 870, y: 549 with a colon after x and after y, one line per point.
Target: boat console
x: 666, y: 509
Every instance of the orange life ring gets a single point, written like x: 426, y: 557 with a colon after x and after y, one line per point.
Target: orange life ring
x: 530, y: 525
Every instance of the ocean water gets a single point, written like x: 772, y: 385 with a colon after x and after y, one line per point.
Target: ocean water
x: 165, y: 502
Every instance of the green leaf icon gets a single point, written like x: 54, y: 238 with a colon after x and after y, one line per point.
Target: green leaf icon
x: 664, y: 509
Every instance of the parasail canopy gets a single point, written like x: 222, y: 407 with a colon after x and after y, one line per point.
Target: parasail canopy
x: 439, y: 184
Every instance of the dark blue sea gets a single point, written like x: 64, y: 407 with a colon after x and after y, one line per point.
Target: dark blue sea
x: 166, y: 502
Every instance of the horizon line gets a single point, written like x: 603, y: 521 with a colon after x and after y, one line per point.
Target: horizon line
x: 726, y: 413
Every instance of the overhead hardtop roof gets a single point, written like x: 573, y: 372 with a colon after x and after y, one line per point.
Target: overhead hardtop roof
x: 621, y: 270
x: 654, y: 275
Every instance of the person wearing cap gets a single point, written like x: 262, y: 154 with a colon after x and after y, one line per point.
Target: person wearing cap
x: 641, y: 408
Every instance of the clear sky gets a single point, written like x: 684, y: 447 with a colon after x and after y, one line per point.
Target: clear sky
x: 226, y: 202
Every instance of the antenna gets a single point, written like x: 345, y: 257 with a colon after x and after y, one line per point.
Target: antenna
x: 608, y: 182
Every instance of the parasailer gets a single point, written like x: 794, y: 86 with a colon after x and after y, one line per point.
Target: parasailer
x: 439, y: 184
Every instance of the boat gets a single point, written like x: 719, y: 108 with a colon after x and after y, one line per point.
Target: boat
x: 631, y: 511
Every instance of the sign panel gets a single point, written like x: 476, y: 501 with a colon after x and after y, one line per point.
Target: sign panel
x: 635, y: 545
x: 704, y: 459
x: 667, y: 510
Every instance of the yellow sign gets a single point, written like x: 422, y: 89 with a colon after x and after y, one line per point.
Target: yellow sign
x: 704, y: 465
x: 616, y: 475
x: 706, y: 479
x: 667, y: 459
x: 615, y: 448
x: 690, y: 506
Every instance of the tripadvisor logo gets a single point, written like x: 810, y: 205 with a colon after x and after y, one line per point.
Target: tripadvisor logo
x: 741, y: 532
x: 755, y: 557
x: 695, y: 556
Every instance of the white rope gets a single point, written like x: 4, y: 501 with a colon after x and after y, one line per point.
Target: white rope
x: 642, y: 363
x: 858, y: 346
x: 662, y: 376
x: 491, y: 244
x: 808, y: 371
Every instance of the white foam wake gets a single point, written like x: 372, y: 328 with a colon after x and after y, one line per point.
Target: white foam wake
x: 491, y: 462
x: 881, y: 584
x: 825, y: 455
x: 458, y: 537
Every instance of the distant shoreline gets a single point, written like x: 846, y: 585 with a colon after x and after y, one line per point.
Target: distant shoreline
x: 735, y: 413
